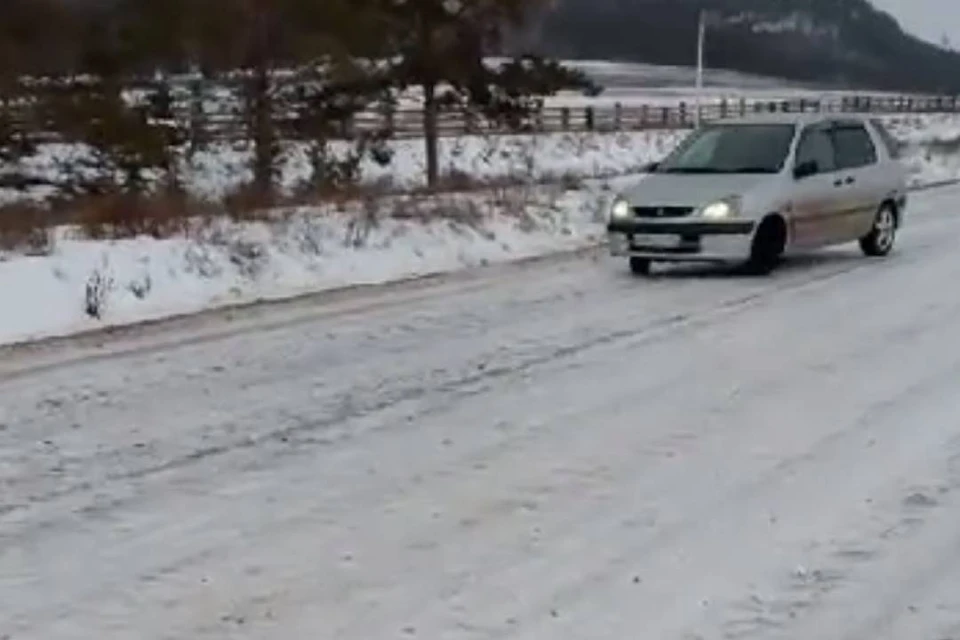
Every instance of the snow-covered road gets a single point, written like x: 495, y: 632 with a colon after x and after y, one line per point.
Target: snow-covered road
x: 557, y: 450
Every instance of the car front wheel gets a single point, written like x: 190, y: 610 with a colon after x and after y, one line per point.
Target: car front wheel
x: 640, y: 266
x: 883, y: 233
x: 766, y: 252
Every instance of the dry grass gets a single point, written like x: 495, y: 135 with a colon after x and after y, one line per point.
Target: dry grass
x: 120, y: 216
x: 26, y: 228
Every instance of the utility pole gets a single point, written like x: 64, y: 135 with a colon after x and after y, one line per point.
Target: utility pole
x: 701, y: 37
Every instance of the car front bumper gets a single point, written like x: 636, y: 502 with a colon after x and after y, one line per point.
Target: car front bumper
x: 681, y: 240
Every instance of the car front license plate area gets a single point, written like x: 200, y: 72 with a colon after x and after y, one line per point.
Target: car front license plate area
x: 656, y: 241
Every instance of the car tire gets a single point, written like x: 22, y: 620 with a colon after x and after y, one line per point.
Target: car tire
x: 640, y: 266
x: 883, y: 234
x: 766, y: 252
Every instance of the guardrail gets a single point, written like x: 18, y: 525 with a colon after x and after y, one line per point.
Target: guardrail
x: 198, y: 121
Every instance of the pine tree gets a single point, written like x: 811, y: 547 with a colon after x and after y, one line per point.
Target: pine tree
x: 260, y: 42
x: 25, y: 26
x: 440, y: 48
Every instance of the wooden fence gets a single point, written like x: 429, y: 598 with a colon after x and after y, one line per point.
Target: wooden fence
x: 220, y: 124
x: 408, y: 123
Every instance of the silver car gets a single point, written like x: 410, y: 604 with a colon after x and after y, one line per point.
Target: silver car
x: 752, y: 190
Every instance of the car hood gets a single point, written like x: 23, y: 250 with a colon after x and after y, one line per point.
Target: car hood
x: 658, y: 189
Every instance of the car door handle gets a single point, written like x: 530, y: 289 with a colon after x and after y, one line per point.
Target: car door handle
x: 850, y: 180
x: 838, y: 182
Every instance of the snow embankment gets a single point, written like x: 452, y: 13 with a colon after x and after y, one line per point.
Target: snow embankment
x: 83, y: 284
x: 932, y: 145
x: 80, y: 284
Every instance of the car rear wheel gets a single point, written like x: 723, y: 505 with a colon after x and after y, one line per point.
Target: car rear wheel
x: 640, y: 266
x: 879, y: 242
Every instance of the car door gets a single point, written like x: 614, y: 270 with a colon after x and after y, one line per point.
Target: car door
x: 814, y: 199
x: 860, y: 179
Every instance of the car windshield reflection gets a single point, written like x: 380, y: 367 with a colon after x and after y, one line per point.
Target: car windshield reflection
x: 732, y: 149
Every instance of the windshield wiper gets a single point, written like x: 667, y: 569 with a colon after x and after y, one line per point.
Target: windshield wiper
x: 718, y: 170
x: 750, y: 169
x: 691, y: 170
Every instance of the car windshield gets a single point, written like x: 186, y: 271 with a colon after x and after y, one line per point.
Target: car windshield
x: 739, y: 148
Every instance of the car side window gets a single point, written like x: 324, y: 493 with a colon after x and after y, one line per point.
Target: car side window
x: 854, y: 146
x: 816, y: 145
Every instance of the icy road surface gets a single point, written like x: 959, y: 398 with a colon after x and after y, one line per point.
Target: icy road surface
x: 558, y: 451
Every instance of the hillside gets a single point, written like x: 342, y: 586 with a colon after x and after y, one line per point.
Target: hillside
x: 841, y: 42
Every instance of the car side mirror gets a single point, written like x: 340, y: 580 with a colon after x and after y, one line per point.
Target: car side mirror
x: 806, y: 169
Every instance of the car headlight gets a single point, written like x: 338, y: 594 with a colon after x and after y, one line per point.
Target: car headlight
x: 721, y: 210
x: 619, y: 209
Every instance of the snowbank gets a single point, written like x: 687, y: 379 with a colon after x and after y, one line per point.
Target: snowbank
x: 932, y: 145
x: 85, y: 284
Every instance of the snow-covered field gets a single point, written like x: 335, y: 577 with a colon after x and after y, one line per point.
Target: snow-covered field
x: 317, y: 248
x: 220, y: 169
x: 627, y: 82
x: 557, y: 451
x: 638, y: 84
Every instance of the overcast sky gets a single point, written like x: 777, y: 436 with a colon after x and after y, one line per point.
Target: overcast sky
x: 928, y: 19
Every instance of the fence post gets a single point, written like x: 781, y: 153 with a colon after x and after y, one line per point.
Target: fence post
x: 565, y: 118
x: 470, y: 122
x: 197, y: 130
x: 743, y: 107
x: 723, y: 108
x: 161, y: 100
x: 683, y: 113
x: 618, y: 117
x: 348, y: 127
x: 589, y: 118
x: 391, y: 118
x: 644, y: 116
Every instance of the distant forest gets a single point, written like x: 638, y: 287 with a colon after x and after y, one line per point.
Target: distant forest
x: 842, y: 42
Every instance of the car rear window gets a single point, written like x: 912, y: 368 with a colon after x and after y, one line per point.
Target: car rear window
x: 889, y: 142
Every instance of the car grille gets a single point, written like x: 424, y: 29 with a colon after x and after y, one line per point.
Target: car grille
x: 662, y: 212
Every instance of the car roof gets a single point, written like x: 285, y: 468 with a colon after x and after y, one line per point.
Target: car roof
x: 796, y: 118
